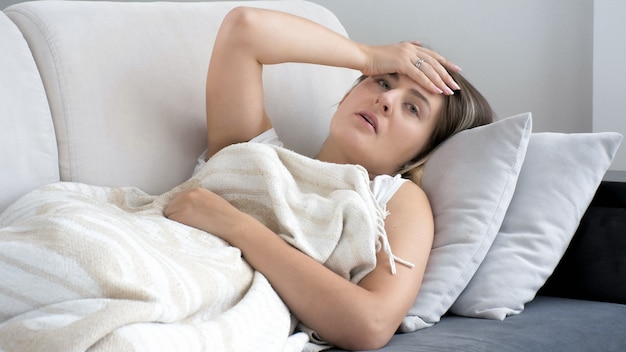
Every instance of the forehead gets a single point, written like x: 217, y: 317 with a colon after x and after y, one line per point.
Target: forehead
x: 412, y: 86
x: 432, y: 100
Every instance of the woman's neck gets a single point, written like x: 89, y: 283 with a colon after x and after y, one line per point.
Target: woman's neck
x: 329, y: 153
x: 333, y: 155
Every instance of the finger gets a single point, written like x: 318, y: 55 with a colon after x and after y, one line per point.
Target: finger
x: 440, y: 75
x: 441, y: 65
x: 441, y: 59
x: 434, y: 78
x: 442, y: 79
x: 422, y: 78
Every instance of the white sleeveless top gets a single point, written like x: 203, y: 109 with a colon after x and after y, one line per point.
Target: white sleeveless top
x: 383, y: 186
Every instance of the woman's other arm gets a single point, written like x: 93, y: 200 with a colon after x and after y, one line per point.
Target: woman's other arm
x: 363, y: 316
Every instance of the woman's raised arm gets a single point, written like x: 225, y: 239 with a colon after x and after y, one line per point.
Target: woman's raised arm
x: 250, y: 38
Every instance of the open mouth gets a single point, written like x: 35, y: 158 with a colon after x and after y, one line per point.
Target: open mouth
x: 369, y: 119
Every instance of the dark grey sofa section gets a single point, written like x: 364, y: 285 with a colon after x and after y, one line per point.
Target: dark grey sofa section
x: 547, y: 324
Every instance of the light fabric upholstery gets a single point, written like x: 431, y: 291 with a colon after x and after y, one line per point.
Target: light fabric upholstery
x: 469, y: 181
x: 126, y: 84
x: 559, y: 177
x: 28, y: 157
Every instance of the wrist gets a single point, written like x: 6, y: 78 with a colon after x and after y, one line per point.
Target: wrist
x: 245, y: 231
x: 363, y: 57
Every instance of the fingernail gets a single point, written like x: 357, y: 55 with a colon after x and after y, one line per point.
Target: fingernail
x: 455, y: 86
x: 449, y: 91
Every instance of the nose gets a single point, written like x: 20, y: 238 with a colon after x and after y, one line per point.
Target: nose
x: 385, y: 101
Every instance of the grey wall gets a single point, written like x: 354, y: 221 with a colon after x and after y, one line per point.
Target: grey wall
x: 554, y: 58
x: 609, y: 72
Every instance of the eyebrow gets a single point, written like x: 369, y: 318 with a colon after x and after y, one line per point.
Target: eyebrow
x: 413, y: 91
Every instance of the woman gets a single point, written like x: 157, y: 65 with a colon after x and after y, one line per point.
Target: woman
x: 401, y: 108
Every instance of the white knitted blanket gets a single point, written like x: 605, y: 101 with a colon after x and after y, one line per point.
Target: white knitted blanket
x: 101, y: 269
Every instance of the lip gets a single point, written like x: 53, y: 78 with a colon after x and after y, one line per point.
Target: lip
x: 369, y: 118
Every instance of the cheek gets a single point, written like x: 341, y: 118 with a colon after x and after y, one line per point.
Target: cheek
x: 413, y: 139
x: 413, y: 143
x: 338, y: 120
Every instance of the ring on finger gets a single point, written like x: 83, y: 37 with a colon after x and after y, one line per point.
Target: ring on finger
x: 419, y: 63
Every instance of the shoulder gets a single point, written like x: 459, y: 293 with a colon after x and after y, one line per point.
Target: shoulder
x: 384, y: 187
x: 409, y: 195
x: 409, y: 211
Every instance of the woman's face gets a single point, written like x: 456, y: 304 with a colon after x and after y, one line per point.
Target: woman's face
x: 383, y: 123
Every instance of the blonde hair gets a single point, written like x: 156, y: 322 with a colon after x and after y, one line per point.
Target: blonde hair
x: 466, y: 109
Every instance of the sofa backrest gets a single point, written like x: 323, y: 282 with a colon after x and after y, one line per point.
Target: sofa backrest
x: 28, y: 153
x: 126, y: 86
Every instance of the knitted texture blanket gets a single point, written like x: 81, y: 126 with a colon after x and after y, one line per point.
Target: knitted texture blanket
x: 101, y: 269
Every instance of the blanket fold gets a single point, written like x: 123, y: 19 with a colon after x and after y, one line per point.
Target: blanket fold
x: 101, y: 269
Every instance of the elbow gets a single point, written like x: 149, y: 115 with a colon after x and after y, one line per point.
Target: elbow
x: 240, y: 19
x: 368, y: 333
x: 243, y: 28
x: 369, y: 342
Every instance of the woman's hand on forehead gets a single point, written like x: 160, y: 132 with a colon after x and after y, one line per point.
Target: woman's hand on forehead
x: 424, y: 66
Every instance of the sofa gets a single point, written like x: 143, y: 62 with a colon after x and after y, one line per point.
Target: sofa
x: 111, y: 94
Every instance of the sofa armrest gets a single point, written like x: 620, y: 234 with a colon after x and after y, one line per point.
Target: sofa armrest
x: 594, y: 265
x: 28, y: 149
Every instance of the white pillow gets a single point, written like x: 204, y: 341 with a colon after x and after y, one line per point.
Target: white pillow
x: 469, y: 180
x: 559, y: 177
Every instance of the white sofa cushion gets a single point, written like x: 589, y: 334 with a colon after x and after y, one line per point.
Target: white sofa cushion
x: 126, y: 84
x: 28, y: 153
